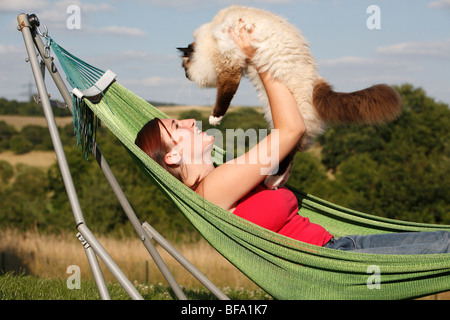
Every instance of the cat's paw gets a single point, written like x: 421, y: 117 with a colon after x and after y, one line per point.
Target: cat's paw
x: 214, y: 121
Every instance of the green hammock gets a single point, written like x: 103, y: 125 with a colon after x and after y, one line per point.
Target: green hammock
x: 285, y: 268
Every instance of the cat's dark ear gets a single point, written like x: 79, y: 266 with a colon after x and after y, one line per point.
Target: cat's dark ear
x: 187, y: 51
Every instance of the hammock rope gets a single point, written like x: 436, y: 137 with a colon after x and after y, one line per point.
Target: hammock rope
x: 283, y: 267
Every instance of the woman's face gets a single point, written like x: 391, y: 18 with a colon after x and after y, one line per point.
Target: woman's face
x: 193, y: 145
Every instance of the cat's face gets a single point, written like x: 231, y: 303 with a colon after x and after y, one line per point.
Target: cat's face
x: 186, y: 57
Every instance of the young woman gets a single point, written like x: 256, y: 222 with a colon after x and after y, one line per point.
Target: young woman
x: 236, y: 186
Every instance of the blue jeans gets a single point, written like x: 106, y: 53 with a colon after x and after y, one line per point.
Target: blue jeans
x: 395, y: 243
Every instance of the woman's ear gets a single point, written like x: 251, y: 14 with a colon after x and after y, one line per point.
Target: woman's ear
x: 173, y: 158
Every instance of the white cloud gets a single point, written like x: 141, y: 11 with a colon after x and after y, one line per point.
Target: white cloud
x: 54, y: 14
x: 122, y: 57
x: 11, y: 49
x: 90, y: 7
x: 347, y: 60
x: 429, y: 49
x: 352, y: 73
x: 155, y: 81
x: 440, y: 4
x: 130, y: 55
x: 18, y: 6
x: 368, y: 67
x: 15, y: 75
x: 120, y: 31
x: 418, y: 63
x: 259, y: 2
x: 196, y: 4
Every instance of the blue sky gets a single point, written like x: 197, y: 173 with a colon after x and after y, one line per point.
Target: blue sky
x: 137, y: 40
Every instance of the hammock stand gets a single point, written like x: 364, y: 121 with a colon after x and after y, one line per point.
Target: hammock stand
x: 29, y: 26
x: 285, y: 268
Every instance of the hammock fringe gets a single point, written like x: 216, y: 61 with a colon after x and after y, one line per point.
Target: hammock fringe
x: 85, y: 124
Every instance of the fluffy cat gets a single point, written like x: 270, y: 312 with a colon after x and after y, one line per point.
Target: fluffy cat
x: 214, y: 60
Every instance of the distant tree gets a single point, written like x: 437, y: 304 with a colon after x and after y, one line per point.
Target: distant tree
x: 24, y: 201
x: 28, y: 108
x: 6, y: 174
x: 38, y: 136
x: 20, y: 145
x: 6, y: 132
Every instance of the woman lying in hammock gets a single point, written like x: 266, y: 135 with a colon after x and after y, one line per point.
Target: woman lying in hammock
x: 236, y: 186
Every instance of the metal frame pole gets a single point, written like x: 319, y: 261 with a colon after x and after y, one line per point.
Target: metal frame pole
x: 51, y: 123
x: 25, y: 28
x: 92, y: 259
x: 109, y: 262
x: 183, y: 261
x: 95, y: 267
x: 142, y: 232
x: 146, y: 232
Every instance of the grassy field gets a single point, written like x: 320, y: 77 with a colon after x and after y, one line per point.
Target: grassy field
x: 21, y: 121
x: 23, y: 287
x: 40, y: 159
x: 36, y: 269
x: 42, y: 262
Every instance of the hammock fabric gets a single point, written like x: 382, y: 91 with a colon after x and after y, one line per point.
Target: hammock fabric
x: 283, y: 267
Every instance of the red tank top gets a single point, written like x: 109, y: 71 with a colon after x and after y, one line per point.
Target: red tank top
x: 277, y: 210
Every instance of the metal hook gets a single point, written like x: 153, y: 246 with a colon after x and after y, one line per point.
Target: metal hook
x: 45, y: 34
x: 46, y: 52
x: 47, y: 48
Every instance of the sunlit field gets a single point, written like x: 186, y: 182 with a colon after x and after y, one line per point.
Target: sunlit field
x: 49, y: 256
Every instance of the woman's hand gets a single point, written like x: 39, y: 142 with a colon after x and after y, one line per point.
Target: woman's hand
x: 243, y: 40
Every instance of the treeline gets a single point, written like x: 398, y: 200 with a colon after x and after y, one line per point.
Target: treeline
x: 30, y: 108
x: 400, y: 171
x: 31, y: 137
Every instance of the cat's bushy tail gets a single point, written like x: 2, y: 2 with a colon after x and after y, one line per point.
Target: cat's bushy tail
x: 375, y: 105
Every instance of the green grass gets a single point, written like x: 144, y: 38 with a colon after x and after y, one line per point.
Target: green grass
x: 27, y: 287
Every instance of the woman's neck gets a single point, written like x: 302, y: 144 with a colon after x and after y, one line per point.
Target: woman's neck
x: 195, y: 173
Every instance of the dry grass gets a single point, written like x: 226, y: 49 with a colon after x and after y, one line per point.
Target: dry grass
x: 175, y: 111
x: 19, y: 122
x: 40, y: 159
x: 51, y: 255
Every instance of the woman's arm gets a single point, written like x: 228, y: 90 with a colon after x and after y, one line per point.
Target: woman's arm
x: 231, y: 181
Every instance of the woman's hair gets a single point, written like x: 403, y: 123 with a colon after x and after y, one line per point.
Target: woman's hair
x: 150, y: 140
